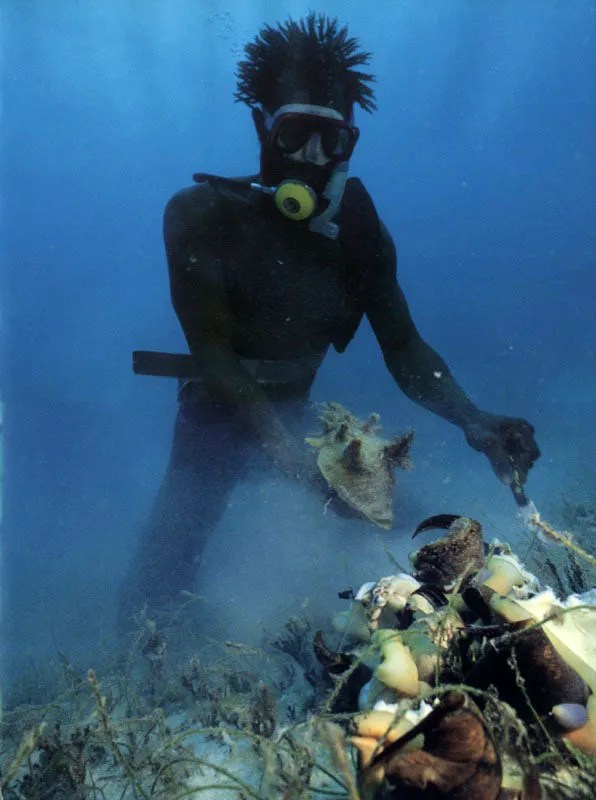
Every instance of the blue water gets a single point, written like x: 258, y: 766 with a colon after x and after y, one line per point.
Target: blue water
x: 482, y: 162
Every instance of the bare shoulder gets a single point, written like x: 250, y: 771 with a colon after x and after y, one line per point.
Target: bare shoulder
x: 193, y: 205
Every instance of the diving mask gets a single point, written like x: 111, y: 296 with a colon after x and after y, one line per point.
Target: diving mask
x: 291, y: 130
x: 299, y: 195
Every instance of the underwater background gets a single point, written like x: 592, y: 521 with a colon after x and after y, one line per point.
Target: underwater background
x: 481, y: 160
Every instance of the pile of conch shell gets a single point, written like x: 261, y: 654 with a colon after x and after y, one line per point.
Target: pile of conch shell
x: 358, y: 464
x: 473, y: 619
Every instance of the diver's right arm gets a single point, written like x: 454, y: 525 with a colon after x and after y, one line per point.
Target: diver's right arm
x: 192, y: 236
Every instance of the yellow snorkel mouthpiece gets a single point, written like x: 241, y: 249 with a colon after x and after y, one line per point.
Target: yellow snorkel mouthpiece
x: 295, y: 200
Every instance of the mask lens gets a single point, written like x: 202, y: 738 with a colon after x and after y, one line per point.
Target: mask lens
x: 336, y: 141
x: 293, y: 132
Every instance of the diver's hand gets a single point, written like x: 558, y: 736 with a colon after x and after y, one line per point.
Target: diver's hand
x: 507, y: 442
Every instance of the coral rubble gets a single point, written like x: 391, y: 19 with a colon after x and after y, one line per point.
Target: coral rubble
x: 500, y: 658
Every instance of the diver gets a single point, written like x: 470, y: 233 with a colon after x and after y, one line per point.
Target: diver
x: 266, y: 273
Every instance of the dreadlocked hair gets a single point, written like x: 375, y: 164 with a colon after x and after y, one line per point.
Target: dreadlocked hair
x: 316, y: 52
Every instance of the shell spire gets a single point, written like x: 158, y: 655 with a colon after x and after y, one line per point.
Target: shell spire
x: 372, y: 425
x: 398, y: 450
x: 352, y: 455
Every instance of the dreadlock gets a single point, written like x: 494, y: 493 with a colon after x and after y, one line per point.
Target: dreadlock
x: 315, y: 54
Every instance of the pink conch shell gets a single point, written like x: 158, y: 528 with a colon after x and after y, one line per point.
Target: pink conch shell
x: 358, y: 464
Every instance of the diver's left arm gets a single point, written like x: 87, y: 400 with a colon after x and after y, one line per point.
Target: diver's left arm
x: 425, y: 378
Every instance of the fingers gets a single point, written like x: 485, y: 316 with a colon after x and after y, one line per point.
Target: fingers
x: 509, y: 445
x: 524, y: 463
x: 522, y: 468
x: 521, y: 448
x: 502, y: 464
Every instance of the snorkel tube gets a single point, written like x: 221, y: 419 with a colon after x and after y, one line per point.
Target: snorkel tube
x: 333, y: 192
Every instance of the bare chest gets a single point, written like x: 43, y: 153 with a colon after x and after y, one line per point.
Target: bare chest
x: 285, y: 290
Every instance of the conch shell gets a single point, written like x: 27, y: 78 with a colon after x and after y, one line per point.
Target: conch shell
x: 358, y: 464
